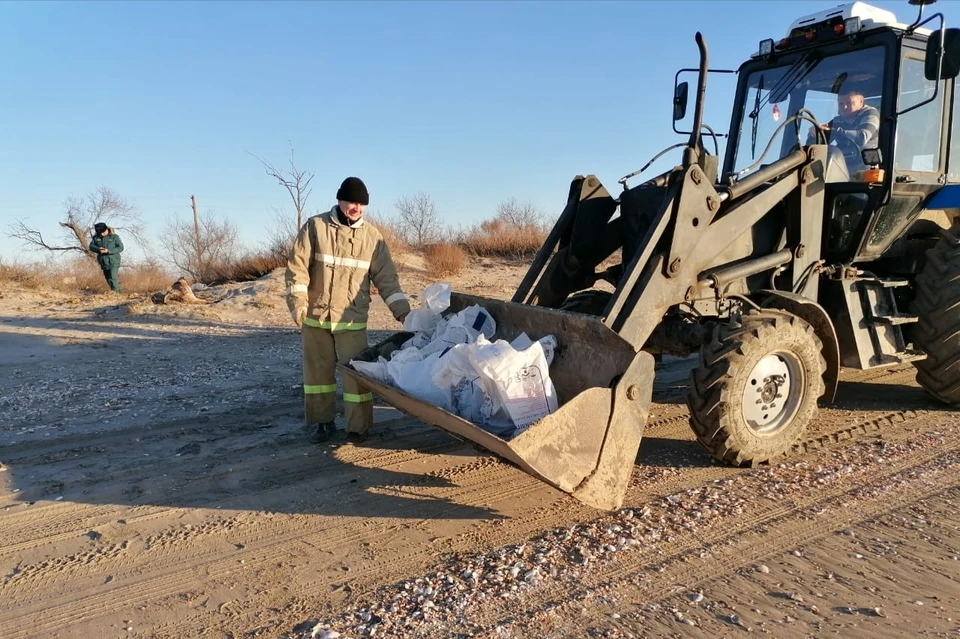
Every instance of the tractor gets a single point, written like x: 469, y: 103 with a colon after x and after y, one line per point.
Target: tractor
x: 829, y: 237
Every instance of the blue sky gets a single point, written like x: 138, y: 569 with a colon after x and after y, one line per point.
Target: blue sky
x: 470, y: 102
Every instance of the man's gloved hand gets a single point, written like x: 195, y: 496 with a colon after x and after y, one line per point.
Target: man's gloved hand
x: 402, y: 317
x: 299, y: 313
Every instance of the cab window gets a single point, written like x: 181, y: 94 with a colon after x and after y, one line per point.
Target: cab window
x: 918, y: 132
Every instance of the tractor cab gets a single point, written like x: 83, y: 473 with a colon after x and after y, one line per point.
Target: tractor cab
x: 866, y: 85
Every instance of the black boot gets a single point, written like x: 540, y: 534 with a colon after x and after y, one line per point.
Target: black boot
x: 356, y: 438
x: 323, y: 433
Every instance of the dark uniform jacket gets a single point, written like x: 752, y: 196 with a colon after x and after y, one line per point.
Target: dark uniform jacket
x: 111, y: 242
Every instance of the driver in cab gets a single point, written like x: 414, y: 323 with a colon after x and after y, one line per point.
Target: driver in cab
x: 854, y: 129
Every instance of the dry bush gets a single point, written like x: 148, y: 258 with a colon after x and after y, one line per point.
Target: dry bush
x: 202, y: 247
x: 389, y: 229
x: 523, y: 215
x: 244, y: 269
x: 81, y: 275
x: 444, y: 258
x: 499, y: 238
x: 419, y: 222
x: 138, y: 278
x: 145, y: 277
x: 281, y: 235
x: 31, y: 276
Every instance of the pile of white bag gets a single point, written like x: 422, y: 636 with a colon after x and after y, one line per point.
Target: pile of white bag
x: 450, y: 362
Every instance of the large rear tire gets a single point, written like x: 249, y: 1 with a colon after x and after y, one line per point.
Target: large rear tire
x: 937, y: 333
x: 756, y: 387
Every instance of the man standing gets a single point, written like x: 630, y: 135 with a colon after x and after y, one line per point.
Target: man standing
x: 854, y: 129
x: 107, y: 246
x: 331, y: 264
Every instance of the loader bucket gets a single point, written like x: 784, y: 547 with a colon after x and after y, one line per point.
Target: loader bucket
x: 587, y: 447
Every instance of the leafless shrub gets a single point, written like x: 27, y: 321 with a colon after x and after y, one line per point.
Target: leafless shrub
x: 521, y: 215
x: 79, y: 216
x: 444, y: 258
x: 390, y: 230
x: 200, y: 249
x: 419, y: 223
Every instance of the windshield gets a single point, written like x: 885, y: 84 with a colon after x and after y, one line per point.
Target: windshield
x: 841, y: 91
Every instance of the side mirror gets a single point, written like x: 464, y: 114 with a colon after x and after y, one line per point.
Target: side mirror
x: 871, y: 157
x: 680, y: 101
x: 949, y: 49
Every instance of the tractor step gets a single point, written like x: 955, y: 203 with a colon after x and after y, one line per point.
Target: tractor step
x: 909, y: 355
x: 882, y: 283
x: 872, y: 326
x: 893, y: 320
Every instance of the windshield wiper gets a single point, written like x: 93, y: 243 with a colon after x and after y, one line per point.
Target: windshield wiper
x: 793, y: 76
x: 797, y: 72
x: 756, y: 120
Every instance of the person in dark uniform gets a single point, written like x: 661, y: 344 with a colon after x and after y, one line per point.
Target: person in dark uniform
x: 107, y: 246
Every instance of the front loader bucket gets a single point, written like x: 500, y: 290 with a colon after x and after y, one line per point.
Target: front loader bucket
x: 587, y: 447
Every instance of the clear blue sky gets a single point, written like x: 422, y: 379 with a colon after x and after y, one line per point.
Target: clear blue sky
x: 469, y: 102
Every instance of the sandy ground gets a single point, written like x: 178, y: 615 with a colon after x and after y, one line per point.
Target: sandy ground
x: 156, y: 481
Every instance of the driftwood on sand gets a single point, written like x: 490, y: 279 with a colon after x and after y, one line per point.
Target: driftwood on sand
x: 179, y: 292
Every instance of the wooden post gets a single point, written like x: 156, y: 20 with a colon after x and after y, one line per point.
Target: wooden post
x: 196, y: 232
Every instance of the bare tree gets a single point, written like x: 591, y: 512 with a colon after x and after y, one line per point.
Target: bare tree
x: 419, y: 223
x: 199, y: 250
x: 296, y: 183
x: 281, y: 235
x: 522, y: 215
x: 79, y: 216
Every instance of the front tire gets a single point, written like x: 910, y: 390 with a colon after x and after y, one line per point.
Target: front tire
x: 756, y: 388
x: 937, y: 333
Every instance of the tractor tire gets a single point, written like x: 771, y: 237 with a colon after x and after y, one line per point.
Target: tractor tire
x: 587, y: 302
x: 756, y: 387
x: 937, y: 332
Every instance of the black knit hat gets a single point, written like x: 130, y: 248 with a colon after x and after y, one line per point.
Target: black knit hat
x: 99, y: 227
x: 353, y: 190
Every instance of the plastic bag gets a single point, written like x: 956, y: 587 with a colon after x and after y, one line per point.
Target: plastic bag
x: 471, y: 395
x: 462, y: 328
x: 521, y: 379
x: 435, y: 300
x: 450, y: 362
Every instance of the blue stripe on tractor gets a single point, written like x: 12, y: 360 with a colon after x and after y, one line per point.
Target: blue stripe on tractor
x: 948, y: 197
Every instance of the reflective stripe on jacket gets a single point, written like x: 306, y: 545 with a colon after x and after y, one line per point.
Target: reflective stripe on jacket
x: 330, y: 268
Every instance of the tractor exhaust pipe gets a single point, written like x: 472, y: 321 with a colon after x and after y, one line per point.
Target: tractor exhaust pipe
x: 691, y: 154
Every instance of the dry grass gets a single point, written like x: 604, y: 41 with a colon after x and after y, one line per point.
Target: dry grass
x: 497, y: 238
x: 444, y: 259
x: 26, y: 276
x: 244, y: 269
x: 139, y: 278
x: 82, y: 274
x: 143, y: 278
x: 389, y: 231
